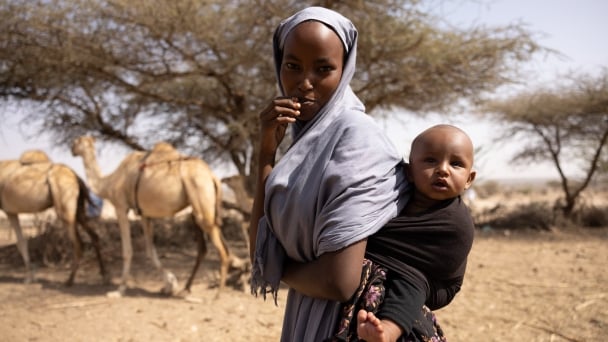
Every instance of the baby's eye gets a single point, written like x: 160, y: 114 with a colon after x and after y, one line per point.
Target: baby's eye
x: 326, y: 68
x: 291, y: 66
x: 457, y: 164
x: 429, y: 160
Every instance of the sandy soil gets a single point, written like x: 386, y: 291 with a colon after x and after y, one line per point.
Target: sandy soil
x: 524, y: 286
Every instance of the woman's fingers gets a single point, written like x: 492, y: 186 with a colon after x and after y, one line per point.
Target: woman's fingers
x: 281, y: 109
x: 274, y: 120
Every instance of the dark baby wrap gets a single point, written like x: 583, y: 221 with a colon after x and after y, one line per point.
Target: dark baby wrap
x: 414, y: 263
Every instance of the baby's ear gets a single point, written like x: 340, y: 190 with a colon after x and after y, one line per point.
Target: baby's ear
x: 470, y: 180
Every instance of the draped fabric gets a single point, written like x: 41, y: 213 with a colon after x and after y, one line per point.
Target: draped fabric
x: 416, y: 263
x: 372, y: 295
x: 339, y: 182
x: 429, y: 249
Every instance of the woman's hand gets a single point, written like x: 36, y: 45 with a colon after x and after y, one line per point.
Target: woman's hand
x: 274, y: 120
x: 273, y: 123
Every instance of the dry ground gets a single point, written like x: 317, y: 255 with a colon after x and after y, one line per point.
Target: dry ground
x: 521, y: 286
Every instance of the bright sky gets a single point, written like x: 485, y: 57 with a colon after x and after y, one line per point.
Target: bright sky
x: 576, y: 28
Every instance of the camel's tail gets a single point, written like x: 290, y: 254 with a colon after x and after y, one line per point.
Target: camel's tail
x: 83, y: 201
x: 218, y: 200
x: 87, y: 207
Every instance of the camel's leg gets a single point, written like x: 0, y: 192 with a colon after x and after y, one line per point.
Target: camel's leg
x: 127, y: 251
x: 215, y: 235
x: 95, y: 239
x: 245, y: 230
x: 22, y: 247
x: 77, y: 248
x: 171, y: 284
x: 9, y: 235
x: 207, y: 224
x: 205, y: 197
x: 200, y: 255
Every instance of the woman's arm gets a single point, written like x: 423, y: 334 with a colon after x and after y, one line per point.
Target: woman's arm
x: 273, y: 124
x: 333, y: 276
x: 258, y: 204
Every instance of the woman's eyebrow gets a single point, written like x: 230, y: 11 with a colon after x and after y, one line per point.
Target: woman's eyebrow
x: 322, y: 60
x: 290, y: 56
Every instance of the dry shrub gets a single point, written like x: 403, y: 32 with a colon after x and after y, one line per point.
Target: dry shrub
x: 52, y: 246
x: 541, y: 216
x: 487, y: 189
x: 591, y: 216
x: 180, y: 231
x: 536, y: 215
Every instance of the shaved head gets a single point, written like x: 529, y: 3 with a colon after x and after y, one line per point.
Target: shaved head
x: 454, y: 132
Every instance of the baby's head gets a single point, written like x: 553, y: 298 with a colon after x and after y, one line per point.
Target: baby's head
x: 441, y: 162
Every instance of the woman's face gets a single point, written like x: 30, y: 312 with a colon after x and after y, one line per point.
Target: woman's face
x: 312, y: 66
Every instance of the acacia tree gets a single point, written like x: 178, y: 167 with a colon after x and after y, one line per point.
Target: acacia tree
x: 196, y: 73
x: 567, y: 126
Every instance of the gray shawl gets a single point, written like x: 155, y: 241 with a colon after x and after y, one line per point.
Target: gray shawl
x: 339, y: 182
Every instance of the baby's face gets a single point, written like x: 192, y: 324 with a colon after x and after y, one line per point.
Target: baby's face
x: 441, y: 164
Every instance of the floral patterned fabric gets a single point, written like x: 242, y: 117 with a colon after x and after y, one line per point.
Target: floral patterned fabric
x: 369, y: 296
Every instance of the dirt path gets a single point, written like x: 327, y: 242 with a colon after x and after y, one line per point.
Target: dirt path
x: 522, y: 287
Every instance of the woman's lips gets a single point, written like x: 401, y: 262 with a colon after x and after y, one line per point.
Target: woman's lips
x: 304, y: 100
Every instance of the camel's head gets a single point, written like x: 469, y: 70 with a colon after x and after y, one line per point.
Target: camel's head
x: 82, y: 144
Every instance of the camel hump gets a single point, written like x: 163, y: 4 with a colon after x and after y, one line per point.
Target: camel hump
x: 34, y: 157
x: 163, y: 151
x: 163, y: 146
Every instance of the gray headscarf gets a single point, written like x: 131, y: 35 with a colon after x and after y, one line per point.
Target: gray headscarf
x: 339, y: 182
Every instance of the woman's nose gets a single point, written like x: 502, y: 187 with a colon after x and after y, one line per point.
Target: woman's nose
x: 305, y: 84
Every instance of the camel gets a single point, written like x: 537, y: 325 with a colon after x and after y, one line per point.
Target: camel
x: 33, y: 184
x: 158, y: 184
x: 243, y: 204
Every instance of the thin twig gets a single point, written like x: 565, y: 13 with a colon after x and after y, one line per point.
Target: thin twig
x: 552, y: 285
x: 592, y: 300
x: 77, y: 304
x: 553, y: 332
x: 585, y: 304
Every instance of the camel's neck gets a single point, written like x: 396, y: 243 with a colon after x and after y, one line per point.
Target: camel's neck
x: 93, y: 172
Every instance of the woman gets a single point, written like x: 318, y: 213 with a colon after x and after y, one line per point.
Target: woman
x: 339, y: 182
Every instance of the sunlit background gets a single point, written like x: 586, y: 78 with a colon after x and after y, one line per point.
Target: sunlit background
x: 575, y: 28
